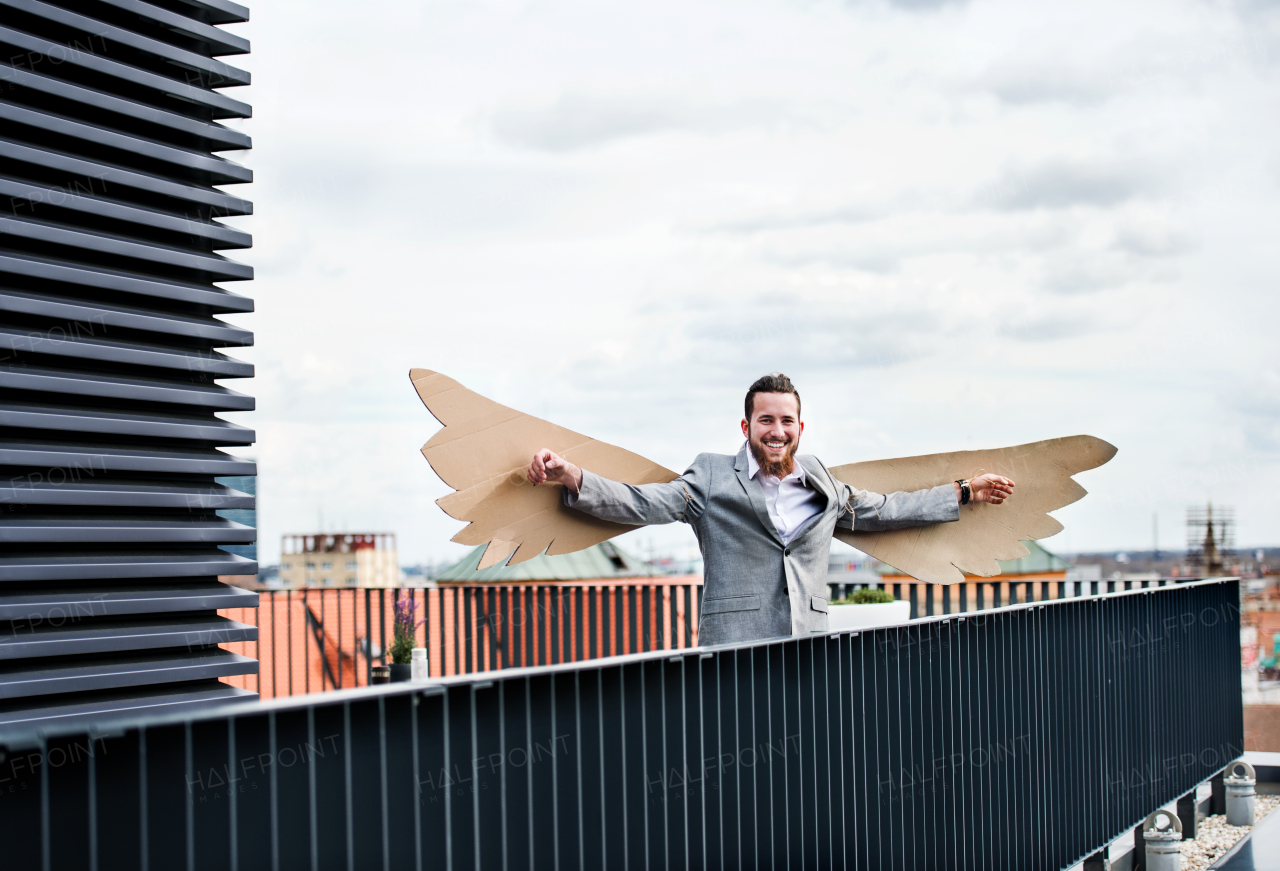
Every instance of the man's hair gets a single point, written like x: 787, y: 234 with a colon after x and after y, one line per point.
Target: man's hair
x: 775, y: 382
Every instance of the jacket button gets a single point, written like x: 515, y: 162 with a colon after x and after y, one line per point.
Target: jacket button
x: 786, y: 552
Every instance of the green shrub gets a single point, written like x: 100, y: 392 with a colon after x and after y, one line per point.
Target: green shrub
x: 869, y: 596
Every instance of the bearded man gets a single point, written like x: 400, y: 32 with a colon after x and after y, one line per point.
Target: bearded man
x: 764, y: 518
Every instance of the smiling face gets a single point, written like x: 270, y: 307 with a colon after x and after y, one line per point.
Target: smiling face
x: 773, y: 432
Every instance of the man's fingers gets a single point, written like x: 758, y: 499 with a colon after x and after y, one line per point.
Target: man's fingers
x: 544, y: 464
x: 538, y: 468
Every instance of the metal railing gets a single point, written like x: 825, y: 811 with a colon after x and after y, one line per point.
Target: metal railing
x: 1026, y: 737
x: 316, y: 639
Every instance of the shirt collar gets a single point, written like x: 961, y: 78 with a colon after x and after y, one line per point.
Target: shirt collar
x: 797, y: 470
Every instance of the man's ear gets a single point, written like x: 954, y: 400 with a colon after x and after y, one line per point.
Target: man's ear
x: 802, y: 427
x: 745, y: 431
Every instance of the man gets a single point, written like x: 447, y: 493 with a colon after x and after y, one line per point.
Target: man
x: 764, y: 519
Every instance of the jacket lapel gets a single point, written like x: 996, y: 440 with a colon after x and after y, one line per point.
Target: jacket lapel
x: 754, y: 493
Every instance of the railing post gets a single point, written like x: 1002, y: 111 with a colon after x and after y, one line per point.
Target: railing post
x: 1187, y: 815
x: 1218, y: 800
x: 1099, y: 861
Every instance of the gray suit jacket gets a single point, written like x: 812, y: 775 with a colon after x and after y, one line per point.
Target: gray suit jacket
x: 754, y: 587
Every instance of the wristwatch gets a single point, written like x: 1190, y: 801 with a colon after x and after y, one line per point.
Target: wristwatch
x: 965, y: 492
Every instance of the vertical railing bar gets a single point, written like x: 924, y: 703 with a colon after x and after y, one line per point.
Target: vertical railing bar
x: 346, y: 760
x: 484, y: 628
x: 306, y: 633
x: 257, y: 644
x: 321, y: 639
x: 578, y: 624
x: 469, y: 640
x: 275, y: 663
x: 92, y: 776
x: 527, y: 653
x: 273, y: 747
x: 189, y: 806
x: 492, y: 596
x: 382, y: 624
x: 455, y: 610
x: 233, y: 798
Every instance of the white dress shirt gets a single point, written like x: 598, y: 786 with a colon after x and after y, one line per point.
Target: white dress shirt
x: 791, y: 503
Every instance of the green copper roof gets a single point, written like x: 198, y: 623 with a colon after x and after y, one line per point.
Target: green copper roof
x: 605, y: 560
x: 1039, y: 560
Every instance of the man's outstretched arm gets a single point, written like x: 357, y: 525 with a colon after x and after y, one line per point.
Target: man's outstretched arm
x: 633, y: 504
x: 876, y: 512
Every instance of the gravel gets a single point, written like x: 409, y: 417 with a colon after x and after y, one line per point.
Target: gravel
x: 1214, y: 837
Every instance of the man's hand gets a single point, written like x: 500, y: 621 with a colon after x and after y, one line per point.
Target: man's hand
x: 546, y: 466
x: 990, y: 488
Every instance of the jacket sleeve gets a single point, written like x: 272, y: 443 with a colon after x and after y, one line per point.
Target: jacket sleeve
x: 680, y: 500
x: 875, y: 512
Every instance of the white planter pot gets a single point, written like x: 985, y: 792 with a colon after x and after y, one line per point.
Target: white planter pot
x: 868, y: 616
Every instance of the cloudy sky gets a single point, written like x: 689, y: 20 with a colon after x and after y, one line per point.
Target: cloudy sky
x: 954, y: 224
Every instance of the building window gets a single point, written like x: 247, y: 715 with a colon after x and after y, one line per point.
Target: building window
x: 352, y: 566
x: 311, y: 565
x: 327, y: 582
x: 328, y: 566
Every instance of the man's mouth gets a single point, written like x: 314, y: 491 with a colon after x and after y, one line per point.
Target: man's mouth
x: 776, y: 446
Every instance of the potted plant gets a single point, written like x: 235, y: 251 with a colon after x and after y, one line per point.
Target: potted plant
x: 867, y: 608
x: 403, y: 631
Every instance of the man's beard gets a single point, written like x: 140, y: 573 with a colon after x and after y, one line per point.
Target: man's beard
x: 777, y: 468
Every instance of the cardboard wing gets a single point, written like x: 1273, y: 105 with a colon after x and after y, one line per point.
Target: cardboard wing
x: 943, y: 552
x: 483, y: 452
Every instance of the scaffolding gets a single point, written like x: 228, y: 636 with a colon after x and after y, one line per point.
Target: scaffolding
x: 1211, y: 539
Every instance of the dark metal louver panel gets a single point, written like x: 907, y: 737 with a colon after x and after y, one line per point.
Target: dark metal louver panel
x: 111, y: 353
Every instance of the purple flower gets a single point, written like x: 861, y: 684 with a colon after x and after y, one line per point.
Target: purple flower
x: 406, y: 610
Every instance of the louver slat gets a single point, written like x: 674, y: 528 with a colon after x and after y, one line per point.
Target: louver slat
x: 73, y: 674
x: 111, y: 543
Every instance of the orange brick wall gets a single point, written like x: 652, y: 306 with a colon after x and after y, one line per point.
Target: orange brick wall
x: 506, y: 625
